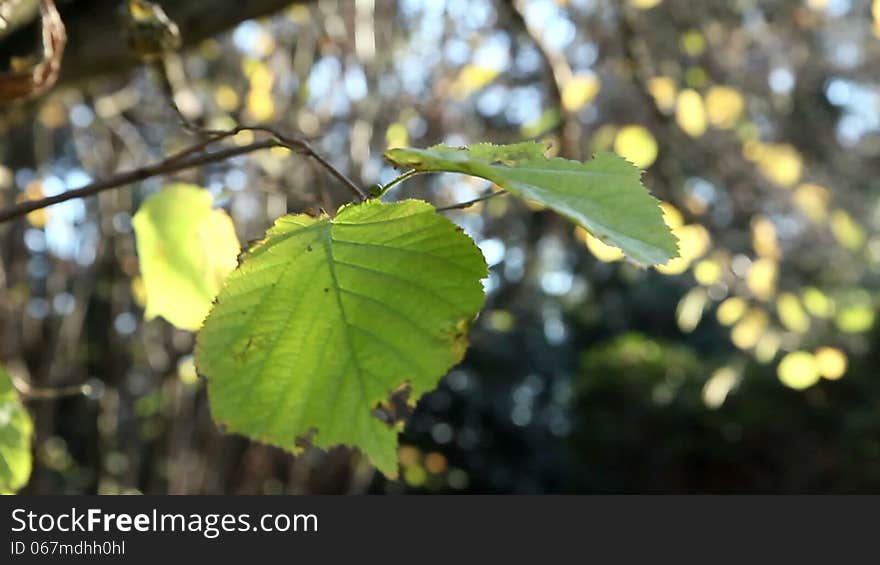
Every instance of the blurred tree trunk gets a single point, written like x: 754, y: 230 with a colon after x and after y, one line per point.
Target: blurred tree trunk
x: 96, y: 44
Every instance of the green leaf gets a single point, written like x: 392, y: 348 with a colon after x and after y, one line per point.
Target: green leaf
x: 326, y: 317
x: 16, y: 430
x: 186, y: 249
x: 604, y: 195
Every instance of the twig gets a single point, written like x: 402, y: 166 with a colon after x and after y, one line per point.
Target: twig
x: 170, y: 165
x: 469, y: 203
x: 297, y: 145
x: 29, y: 391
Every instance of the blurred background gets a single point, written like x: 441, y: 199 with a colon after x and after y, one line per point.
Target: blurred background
x: 747, y: 365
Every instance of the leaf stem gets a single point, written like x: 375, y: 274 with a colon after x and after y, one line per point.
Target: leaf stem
x: 469, y: 203
x: 398, y: 180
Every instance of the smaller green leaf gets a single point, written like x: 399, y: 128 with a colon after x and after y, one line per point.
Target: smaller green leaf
x: 16, y: 430
x: 186, y: 250
x: 604, y: 195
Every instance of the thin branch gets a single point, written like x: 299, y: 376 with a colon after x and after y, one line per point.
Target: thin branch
x: 27, y: 390
x: 469, y: 203
x: 295, y: 144
x: 170, y: 165
x: 400, y: 179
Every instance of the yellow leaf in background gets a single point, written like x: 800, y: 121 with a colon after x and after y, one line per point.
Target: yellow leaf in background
x: 855, y: 318
x: 470, y: 79
x: 259, y: 103
x: 724, y: 106
x: 791, y: 314
x: 798, y: 370
x: 34, y: 191
x: 397, y: 136
x: 817, y: 303
x: 779, y: 162
x: 812, y: 200
x: 761, y: 278
x: 846, y: 231
x: 707, y: 272
x: 693, y: 43
x: 671, y: 215
x: 718, y: 386
x: 644, y: 4
x: 731, y: 310
x: 767, y: 346
x: 693, y: 242
x: 831, y: 362
x: 601, y: 250
x: 764, y: 237
x: 186, y: 249
x: 226, y: 98
x: 875, y: 12
x: 579, y: 91
x: 690, y: 114
x: 690, y: 309
x: 664, y: 91
x: 636, y: 144
x: 746, y: 333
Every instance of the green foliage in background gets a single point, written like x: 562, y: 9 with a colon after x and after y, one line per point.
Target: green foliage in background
x: 16, y: 429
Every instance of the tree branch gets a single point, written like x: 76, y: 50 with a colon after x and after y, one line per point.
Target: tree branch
x: 96, y: 43
x: 187, y: 159
x: 170, y: 165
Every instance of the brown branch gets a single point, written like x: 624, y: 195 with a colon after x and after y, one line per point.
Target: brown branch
x: 187, y: 159
x: 295, y: 144
x: 170, y: 165
x: 28, y: 390
x: 559, y: 75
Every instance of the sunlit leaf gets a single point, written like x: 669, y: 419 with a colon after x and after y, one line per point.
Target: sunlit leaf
x: 325, y: 318
x: 812, y: 200
x: 470, y: 79
x: 724, y: 106
x: 690, y: 113
x: 764, y: 237
x: 746, y: 333
x: 719, y: 385
x: 831, y: 362
x: 637, y: 145
x: 761, y: 279
x: 791, y: 314
x: 731, y: 310
x: 16, y: 430
x: 186, y: 248
x: 779, y: 162
x: 846, y: 231
x: 690, y: 309
x: 604, y: 195
x: 798, y: 370
x: 579, y: 91
x: 664, y: 91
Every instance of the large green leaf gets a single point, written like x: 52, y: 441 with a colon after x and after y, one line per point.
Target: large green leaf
x: 186, y: 249
x: 326, y: 317
x: 604, y: 195
x: 16, y: 429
